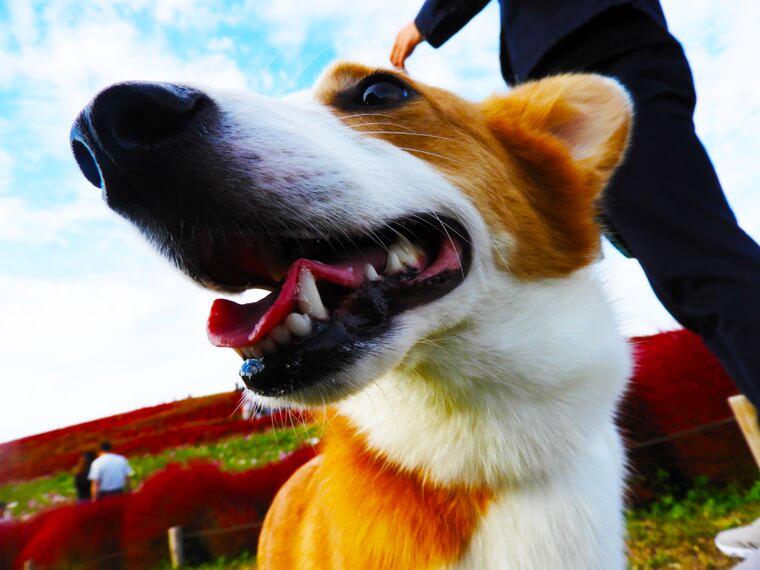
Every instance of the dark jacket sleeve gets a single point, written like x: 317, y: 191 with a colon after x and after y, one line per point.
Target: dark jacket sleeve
x: 438, y: 20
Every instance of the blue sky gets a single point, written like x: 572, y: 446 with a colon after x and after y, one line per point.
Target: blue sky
x: 91, y: 320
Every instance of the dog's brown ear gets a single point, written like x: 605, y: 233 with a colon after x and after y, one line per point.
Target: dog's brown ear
x: 588, y: 115
x: 565, y: 136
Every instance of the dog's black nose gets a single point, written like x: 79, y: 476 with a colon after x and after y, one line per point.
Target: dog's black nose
x: 127, y: 119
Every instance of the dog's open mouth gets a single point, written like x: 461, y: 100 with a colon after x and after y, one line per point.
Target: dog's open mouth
x: 329, y: 298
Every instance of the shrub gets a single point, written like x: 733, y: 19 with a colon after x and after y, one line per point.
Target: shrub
x: 131, y: 531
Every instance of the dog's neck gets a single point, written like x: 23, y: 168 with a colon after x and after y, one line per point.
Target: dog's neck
x: 496, y: 401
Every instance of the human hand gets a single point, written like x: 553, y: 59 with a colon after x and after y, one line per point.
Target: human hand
x: 407, y: 39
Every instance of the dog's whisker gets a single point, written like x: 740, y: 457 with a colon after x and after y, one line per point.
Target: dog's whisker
x: 456, y: 232
x: 453, y: 243
x: 407, y: 134
x: 430, y: 153
x: 375, y: 123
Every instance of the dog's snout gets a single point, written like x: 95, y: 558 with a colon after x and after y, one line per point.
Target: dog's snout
x: 128, y: 119
x: 143, y: 114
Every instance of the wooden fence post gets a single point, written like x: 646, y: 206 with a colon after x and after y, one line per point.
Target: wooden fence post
x: 176, y: 548
x: 746, y: 417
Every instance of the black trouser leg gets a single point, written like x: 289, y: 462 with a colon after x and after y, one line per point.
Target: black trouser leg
x: 667, y: 204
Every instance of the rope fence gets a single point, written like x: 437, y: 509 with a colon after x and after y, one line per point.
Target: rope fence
x: 176, y: 537
x: 683, y: 433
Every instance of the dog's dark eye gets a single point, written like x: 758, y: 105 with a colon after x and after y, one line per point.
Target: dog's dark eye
x: 383, y: 92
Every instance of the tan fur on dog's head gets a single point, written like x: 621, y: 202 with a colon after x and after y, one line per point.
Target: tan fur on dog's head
x: 534, y: 161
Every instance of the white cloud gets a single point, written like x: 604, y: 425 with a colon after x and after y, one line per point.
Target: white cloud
x: 6, y: 166
x: 638, y: 310
x: 358, y: 31
x: 80, y: 348
x: 51, y: 64
x: 722, y: 44
x: 57, y: 68
x: 86, y: 345
x: 22, y: 223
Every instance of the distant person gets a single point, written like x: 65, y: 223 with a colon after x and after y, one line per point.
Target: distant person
x: 109, y: 474
x: 5, y: 513
x: 82, y: 476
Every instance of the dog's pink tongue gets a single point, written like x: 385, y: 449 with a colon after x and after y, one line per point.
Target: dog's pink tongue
x: 233, y: 325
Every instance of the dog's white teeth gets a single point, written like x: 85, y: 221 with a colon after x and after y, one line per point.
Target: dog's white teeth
x: 402, y: 254
x: 298, y: 324
x: 281, y: 334
x: 268, y: 345
x: 409, y: 254
x: 309, y: 300
x: 370, y: 272
x: 393, y: 265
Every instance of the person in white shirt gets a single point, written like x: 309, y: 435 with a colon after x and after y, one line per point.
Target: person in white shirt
x: 109, y: 473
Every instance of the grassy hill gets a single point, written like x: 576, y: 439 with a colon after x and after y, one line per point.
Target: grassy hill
x: 199, y: 464
x: 672, y: 532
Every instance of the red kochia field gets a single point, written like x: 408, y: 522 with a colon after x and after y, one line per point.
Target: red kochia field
x: 147, y: 430
x: 677, y: 386
x: 674, y: 417
x: 131, y: 531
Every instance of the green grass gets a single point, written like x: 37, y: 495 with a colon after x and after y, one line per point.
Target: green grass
x: 233, y: 454
x: 672, y: 533
x: 678, y: 533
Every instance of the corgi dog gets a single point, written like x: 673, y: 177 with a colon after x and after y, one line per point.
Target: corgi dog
x: 429, y: 261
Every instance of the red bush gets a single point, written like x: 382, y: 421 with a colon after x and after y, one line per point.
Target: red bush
x: 131, y: 531
x: 679, y: 385
x: 86, y: 535
x: 200, y: 497
x: 14, y: 535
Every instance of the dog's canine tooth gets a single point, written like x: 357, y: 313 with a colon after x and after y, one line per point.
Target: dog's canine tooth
x: 370, y: 272
x: 393, y: 265
x: 241, y: 352
x: 309, y: 300
x: 268, y: 345
x: 408, y: 253
x: 281, y: 334
x: 298, y: 324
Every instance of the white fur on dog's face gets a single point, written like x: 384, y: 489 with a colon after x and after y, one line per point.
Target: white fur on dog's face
x: 509, y: 326
x: 509, y: 382
x: 328, y: 178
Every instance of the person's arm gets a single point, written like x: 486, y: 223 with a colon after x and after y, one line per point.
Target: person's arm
x: 128, y: 476
x: 436, y: 22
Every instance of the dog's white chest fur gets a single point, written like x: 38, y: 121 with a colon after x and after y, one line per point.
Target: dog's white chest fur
x: 524, y: 404
x: 570, y: 521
